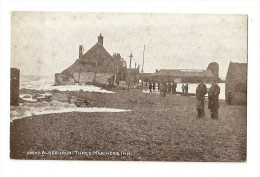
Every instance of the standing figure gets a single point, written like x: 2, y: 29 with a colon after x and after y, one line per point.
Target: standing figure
x: 169, y: 88
x: 150, y: 87
x: 158, y: 86
x: 165, y: 89
x: 213, y: 94
x: 174, y: 88
x: 186, y: 88
x: 154, y: 86
x: 229, y: 97
x: 201, y: 91
x: 183, y: 88
x: 162, y: 88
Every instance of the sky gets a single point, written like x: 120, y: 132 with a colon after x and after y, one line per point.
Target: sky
x: 45, y: 43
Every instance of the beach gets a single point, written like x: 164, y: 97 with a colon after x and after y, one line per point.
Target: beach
x: 153, y: 128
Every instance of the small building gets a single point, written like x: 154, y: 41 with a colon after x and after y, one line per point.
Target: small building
x: 184, y: 75
x: 236, y: 84
x: 94, y: 66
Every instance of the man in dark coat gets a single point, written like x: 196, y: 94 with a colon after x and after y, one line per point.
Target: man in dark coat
x: 169, y: 87
x: 187, y: 88
x: 174, y: 87
x: 183, y: 88
x: 154, y: 86
x: 201, y: 91
x: 165, y: 89
x: 213, y: 94
x: 150, y: 87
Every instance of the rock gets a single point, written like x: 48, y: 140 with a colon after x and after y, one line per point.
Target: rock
x: 79, y: 102
x: 82, y: 103
x: 44, y: 98
x: 27, y: 96
x: 35, y: 96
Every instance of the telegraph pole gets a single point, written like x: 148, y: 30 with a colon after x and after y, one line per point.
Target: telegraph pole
x: 143, y: 68
x: 129, y: 71
x: 131, y: 56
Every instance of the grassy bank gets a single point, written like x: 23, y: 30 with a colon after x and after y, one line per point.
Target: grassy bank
x: 156, y: 128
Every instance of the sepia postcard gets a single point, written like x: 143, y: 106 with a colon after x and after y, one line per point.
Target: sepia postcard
x: 128, y: 86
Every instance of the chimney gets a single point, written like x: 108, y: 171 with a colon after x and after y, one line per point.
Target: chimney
x: 100, y: 39
x: 80, y: 51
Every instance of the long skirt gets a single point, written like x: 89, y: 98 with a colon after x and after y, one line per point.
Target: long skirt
x: 200, y: 108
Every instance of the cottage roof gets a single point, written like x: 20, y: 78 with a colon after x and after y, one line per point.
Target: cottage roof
x: 97, y: 50
x: 96, y: 55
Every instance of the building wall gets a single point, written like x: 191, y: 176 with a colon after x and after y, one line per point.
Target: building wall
x: 61, y: 79
x: 88, y: 77
x: 172, y: 79
x: 235, y: 90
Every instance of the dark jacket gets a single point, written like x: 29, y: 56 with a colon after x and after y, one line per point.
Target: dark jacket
x: 201, y: 91
x: 213, y: 94
x: 150, y: 86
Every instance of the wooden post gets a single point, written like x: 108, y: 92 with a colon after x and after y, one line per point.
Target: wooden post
x: 143, y: 69
x: 131, y: 56
x: 129, y: 71
x: 14, y: 86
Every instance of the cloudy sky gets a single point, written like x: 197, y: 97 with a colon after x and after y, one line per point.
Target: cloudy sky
x: 47, y: 42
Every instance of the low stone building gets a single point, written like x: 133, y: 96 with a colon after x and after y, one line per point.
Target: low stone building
x: 184, y: 75
x: 95, y: 66
x: 236, y: 84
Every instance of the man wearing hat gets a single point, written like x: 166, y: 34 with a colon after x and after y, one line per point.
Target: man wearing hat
x: 213, y: 94
x: 201, y: 91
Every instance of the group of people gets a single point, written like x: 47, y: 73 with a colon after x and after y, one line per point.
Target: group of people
x: 163, y: 88
x: 213, y: 97
x: 201, y: 90
x: 185, y: 88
